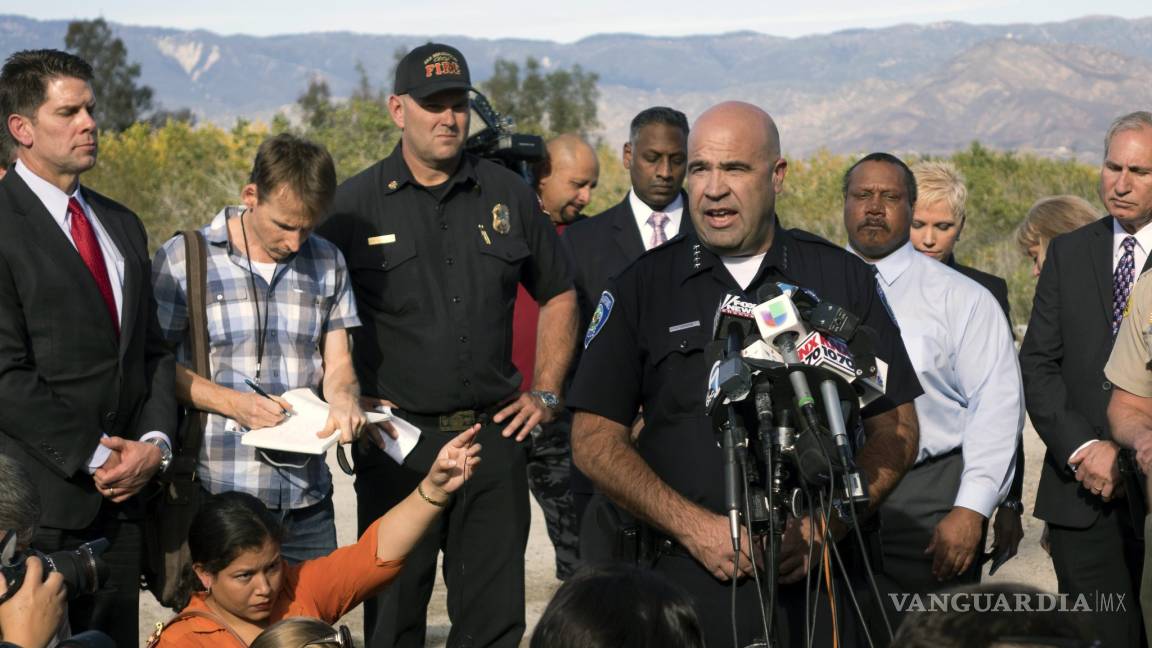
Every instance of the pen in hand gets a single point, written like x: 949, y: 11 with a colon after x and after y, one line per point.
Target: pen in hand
x: 256, y: 388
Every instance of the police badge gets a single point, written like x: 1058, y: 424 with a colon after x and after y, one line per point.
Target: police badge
x: 500, y: 221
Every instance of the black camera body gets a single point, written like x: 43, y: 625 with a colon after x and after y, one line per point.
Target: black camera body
x: 490, y: 136
x: 82, y: 568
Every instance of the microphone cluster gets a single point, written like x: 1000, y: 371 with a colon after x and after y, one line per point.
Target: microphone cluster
x: 777, y: 348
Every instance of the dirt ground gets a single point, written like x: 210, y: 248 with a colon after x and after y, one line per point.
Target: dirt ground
x: 1030, y: 566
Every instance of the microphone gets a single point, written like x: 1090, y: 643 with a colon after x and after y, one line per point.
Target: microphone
x: 826, y: 352
x: 729, y: 380
x: 870, y: 370
x: 833, y: 320
x: 735, y: 379
x: 825, y: 347
x: 733, y: 309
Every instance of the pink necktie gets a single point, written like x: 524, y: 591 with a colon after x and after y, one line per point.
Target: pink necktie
x: 657, y: 221
x: 89, y: 249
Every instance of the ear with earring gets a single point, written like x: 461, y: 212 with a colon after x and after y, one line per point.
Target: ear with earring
x: 205, y: 582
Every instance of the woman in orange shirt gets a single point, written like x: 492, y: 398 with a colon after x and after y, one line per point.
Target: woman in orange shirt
x: 245, y: 586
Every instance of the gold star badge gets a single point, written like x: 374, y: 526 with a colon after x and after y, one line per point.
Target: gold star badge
x: 392, y: 185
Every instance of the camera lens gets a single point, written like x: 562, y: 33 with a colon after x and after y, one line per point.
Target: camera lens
x: 83, y: 570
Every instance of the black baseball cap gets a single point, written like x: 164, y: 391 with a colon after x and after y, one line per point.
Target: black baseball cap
x: 431, y: 68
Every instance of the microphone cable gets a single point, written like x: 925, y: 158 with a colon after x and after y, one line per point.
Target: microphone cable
x: 867, y: 564
x: 751, y: 548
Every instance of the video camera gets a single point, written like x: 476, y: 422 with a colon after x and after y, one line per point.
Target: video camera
x: 491, y: 137
x: 82, y: 568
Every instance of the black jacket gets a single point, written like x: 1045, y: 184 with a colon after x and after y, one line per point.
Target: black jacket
x: 64, y: 376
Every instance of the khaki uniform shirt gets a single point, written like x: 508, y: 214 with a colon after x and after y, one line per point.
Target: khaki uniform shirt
x: 1128, y: 368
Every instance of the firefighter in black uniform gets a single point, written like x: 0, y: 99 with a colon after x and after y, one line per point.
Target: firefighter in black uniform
x: 645, y: 348
x: 436, y: 242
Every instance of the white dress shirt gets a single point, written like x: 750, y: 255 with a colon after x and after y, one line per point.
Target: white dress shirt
x: 1139, y: 252
x: 642, y: 212
x: 56, y: 202
x: 963, y: 352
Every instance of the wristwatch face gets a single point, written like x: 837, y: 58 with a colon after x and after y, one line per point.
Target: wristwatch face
x: 551, y: 401
x: 165, y: 453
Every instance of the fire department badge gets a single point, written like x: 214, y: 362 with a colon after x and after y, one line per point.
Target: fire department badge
x: 500, y: 221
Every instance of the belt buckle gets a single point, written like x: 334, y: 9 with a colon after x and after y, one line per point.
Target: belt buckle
x: 457, y: 421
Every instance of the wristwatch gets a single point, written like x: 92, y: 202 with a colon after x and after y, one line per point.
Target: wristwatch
x: 550, y: 400
x: 1014, y: 505
x: 165, y: 453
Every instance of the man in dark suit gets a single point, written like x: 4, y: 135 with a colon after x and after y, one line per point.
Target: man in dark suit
x: 86, y: 399
x: 651, y: 213
x: 1081, y: 297
x: 7, y: 155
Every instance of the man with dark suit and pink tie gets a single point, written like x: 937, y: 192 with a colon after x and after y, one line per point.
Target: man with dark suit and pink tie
x: 86, y: 387
x: 651, y: 213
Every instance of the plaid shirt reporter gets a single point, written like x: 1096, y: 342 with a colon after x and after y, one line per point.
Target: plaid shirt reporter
x: 310, y: 296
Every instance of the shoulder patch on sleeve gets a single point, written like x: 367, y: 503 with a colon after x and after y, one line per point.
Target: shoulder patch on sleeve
x: 599, y: 317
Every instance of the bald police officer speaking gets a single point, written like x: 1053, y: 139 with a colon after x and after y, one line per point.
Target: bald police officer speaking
x: 436, y: 242
x: 645, y: 347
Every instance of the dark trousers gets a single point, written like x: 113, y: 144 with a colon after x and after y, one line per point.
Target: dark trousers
x: 908, y: 519
x: 549, y: 478
x: 712, y: 600
x: 1107, y: 558
x: 483, y: 533
x: 114, y: 610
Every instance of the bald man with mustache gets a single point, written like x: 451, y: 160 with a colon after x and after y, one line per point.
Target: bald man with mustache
x: 645, y: 350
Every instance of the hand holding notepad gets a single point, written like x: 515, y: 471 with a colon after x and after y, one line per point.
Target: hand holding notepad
x: 297, y: 433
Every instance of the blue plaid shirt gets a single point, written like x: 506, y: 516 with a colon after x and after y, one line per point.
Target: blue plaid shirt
x: 310, y: 295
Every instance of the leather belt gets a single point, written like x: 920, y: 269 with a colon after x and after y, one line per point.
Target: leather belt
x: 457, y: 421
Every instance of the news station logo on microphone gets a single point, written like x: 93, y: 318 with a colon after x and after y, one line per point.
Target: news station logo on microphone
x: 776, y: 317
x: 829, y: 353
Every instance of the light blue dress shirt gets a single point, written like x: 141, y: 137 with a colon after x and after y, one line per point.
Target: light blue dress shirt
x: 963, y: 352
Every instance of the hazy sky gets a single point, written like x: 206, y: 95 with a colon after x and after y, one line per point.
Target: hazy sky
x: 561, y: 21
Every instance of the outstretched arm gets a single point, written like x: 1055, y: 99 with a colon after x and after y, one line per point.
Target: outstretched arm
x: 404, y: 524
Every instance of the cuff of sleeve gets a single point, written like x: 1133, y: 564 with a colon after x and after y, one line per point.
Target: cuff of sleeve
x: 1127, y: 384
x: 99, y: 456
x: 1077, y: 451
x: 978, y: 498
x: 156, y: 434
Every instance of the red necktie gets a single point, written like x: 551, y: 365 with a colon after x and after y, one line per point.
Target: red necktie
x: 89, y: 249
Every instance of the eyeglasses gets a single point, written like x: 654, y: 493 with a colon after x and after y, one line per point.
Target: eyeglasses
x: 342, y: 638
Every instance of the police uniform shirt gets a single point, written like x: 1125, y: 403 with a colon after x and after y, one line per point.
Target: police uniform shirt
x: 645, y: 346
x: 435, y: 272
x: 1128, y: 367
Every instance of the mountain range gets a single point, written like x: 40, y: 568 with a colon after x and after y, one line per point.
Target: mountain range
x: 1048, y: 88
